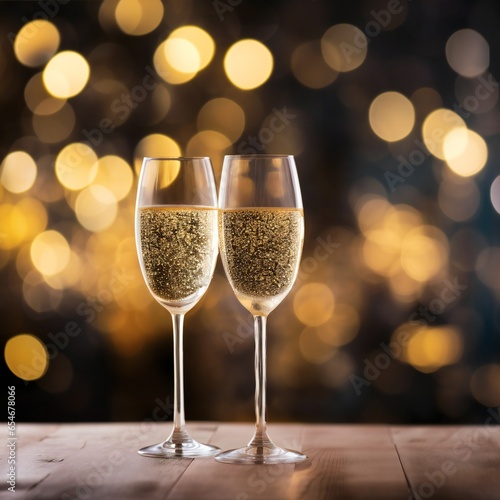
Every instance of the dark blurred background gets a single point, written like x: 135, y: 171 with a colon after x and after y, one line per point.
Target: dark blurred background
x: 391, y: 109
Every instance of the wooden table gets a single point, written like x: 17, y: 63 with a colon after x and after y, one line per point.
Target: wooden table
x: 100, y: 461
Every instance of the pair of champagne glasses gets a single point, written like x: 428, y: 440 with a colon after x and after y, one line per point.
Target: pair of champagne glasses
x: 259, y: 223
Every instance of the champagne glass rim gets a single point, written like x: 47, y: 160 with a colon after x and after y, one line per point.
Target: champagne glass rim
x: 259, y: 156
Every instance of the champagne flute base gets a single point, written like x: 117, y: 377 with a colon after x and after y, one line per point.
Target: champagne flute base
x: 267, y: 454
x: 187, y: 447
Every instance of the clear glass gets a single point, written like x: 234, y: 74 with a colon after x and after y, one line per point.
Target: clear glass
x: 176, y: 237
x: 261, y: 233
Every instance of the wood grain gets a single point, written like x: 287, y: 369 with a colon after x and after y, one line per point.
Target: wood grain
x: 100, y: 461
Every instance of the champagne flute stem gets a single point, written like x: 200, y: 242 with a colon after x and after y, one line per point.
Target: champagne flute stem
x: 179, y: 420
x: 260, y: 437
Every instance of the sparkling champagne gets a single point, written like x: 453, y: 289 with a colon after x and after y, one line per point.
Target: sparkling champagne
x: 260, y: 250
x: 178, y: 251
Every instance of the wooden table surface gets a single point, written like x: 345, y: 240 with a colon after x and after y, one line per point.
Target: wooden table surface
x: 100, y: 461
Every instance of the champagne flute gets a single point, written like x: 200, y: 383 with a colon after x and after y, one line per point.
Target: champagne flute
x: 261, y: 233
x: 176, y: 236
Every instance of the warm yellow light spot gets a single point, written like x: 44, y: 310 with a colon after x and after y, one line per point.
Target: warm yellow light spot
x: 309, y: 67
x: 224, y: 116
x: 469, y: 158
x: 38, y: 100
x: 403, y: 286
x: 155, y: 146
x: 26, y: 356
x: 371, y: 211
x: 76, y: 166
x: 13, y: 226
x: 435, y: 128
x: 34, y: 215
x: 248, y: 64
x: 18, y: 172
x: 36, y: 42
x: 431, y: 348
x: 200, y: 39
x: 391, y: 116
x: 468, y: 53
x: 182, y: 55
x: 138, y: 17
x: 209, y: 143
x: 485, y: 385
x: 96, y: 208
x: 344, y: 47
x: 381, y: 251
x: 342, y: 327
x: 424, y: 253
x: 56, y: 126
x: 166, y: 70
x: 50, y: 252
x: 66, y: 74
x: 313, y: 304
x: 115, y: 174
x: 313, y: 349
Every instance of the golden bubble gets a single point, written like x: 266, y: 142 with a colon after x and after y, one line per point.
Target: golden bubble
x: 34, y: 214
x: 96, y: 208
x: 391, y: 116
x: 26, y: 356
x: 309, y: 67
x: 66, y: 74
x: 50, y: 252
x: 248, y: 64
x: 76, y: 166
x: 137, y: 17
x: 36, y: 42
x: 344, y: 47
x: 313, y: 304
x: 209, y: 143
x: 18, y: 172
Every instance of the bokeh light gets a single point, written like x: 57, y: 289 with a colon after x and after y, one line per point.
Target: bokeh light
x: 76, y: 166
x: 96, y: 208
x: 115, y: 174
x: 222, y: 115
x: 155, y: 146
x: 138, y: 17
x: 248, y: 64
x: 50, y: 252
x: 36, y: 42
x: 488, y: 267
x: 200, y: 39
x: 436, y: 127
x: 309, y: 66
x: 468, y: 53
x: 485, y: 385
x: 66, y: 74
x: 391, y: 116
x: 467, y: 155
x: 344, y: 47
x: 18, y: 172
x: 26, y: 356
x: 54, y: 127
x: 38, y: 100
x: 495, y: 194
x: 182, y: 55
x: 313, y: 304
